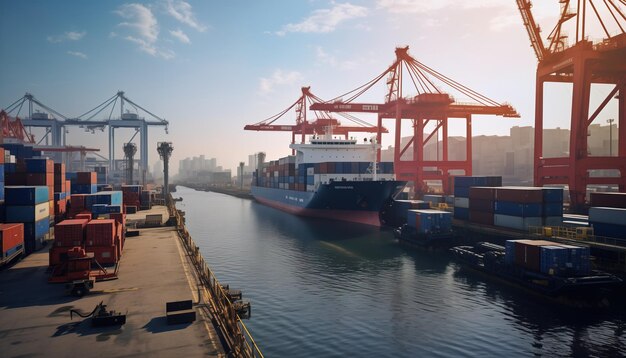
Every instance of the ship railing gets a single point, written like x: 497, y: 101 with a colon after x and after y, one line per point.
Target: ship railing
x: 235, y: 332
x: 574, y: 234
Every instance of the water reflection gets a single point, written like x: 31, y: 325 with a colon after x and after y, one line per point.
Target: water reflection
x: 331, y: 289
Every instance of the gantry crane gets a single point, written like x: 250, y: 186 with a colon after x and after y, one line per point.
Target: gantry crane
x: 13, y: 129
x: 582, y: 64
x: 322, y: 124
x: 430, y: 104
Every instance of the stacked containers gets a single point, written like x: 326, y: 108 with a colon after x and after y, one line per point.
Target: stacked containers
x: 1, y: 175
x: 131, y: 195
x: 429, y: 221
x: 84, y: 182
x: 482, y: 204
x: 60, y: 192
x: 548, y: 257
x: 11, y: 240
x: 608, y: 222
x: 40, y: 172
x: 104, y: 203
x: 101, y: 174
x: 67, y: 234
x: 521, y: 207
x: 462, y: 186
x: 77, y: 204
x: 101, y: 240
x: 146, y: 200
x: 609, y: 200
x: 29, y: 205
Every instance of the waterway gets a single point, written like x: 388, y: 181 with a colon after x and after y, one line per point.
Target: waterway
x: 328, y: 289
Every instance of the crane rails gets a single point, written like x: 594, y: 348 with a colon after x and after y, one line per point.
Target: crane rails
x: 582, y: 64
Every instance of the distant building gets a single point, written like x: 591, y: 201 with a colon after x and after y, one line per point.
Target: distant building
x: 201, y: 170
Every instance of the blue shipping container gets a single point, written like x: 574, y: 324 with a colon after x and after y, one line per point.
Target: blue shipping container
x: 1, y: 172
x: 36, y: 165
x: 71, y: 176
x: 518, y: 209
x: 552, y: 195
x: 84, y: 188
x: 37, y: 229
x: 553, y: 209
x: 1, y: 191
x: 553, y: 258
x: 104, y: 197
x: 25, y: 195
x: 32, y: 244
x: 461, y: 192
x: 609, y: 230
x: 429, y: 221
x: 467, y: 181
x: 461, y: 213
x: 509, y: 252
x: 10, y: 167
x: 60, y: 196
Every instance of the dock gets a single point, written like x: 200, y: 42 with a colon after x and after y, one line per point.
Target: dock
x: 154, y: 269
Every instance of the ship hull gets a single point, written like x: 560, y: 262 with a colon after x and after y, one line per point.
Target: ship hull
x: 351, y: 201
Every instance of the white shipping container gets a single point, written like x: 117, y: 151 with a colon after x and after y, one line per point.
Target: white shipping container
x: 310, y: 171
x: 460, y: 202
x: 516, y: 222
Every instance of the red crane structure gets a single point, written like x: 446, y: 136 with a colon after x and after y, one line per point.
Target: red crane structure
x: 321, y: 125
x: 13, y: 128
x: 430, y: 105
x: 581, y: 64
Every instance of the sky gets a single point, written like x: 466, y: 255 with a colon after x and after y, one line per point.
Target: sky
x: 211, y: 67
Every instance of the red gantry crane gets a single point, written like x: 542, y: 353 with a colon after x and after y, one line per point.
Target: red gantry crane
x: 430, y: 105
x: 321, y: 125
x: 582, y: 64
x: 14, y: 129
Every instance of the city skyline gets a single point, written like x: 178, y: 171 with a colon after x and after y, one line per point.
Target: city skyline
x: 211, y: 68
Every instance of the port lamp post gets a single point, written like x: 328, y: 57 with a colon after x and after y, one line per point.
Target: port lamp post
x: 610, y: 122
x: 165, y: 152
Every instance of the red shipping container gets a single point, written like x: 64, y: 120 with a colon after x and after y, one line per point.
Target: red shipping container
x: 77, y: 201
x: 481, y: 217
x: 482, y: 192
x: 11, y: 235
x: 1, y: 155
x: 100, y: 233
x: 486, y: 206
x: 86, y: 216
x: 15, y: 178
x: 59, y: 168
x: 105, y: 255
x: 609, y: 200
x: 86, y: 178
x: 528, y: 253
x: 46, y: 179
x: 68, y: 186
x: 70, y: 232
x: 525, y: 195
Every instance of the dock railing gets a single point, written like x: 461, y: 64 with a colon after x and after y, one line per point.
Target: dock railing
x: 222, y: 310
x: 574, y: 234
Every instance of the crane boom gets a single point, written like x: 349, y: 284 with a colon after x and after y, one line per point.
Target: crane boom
x: 532, y: 29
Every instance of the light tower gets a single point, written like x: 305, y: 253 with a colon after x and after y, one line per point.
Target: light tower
x: 129, y: 152
x: 165, y: 152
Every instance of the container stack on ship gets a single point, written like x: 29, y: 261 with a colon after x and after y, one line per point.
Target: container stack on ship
x: 328, y: 178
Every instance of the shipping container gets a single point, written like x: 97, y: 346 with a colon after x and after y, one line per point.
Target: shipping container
x: 25, y: 195
x: 553, y: 259
x: 609, y: 230
x: 552, y: 221
x: 606, y: 215
x: 12, y: 239
x: 552, y: 209
x: 519, y: 194
x: 461, y: 213
x: 516, y: 222
x: 552, y: 195
x: 461, y: 192
x: 481, y: 217
x: 38, y: 229
x: 27, y: 213
x: 70, y: 232
x: 482, y: 193
x: 461, y: 202
x: 37, y: 165
x: 486, y: 206
x: 610, y: 200
x: 468, y: 181
x: 100, y: 233
x: 86, y: 178
x: 518, y: 209
x: 428, y: 221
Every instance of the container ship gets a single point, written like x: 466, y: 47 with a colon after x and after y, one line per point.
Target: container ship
x: 328, y: 178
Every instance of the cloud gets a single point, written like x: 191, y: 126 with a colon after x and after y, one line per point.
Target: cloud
x: 144, y: 29
x: 67, y: 36
x: 325, y: 58
x: 182, y: 12
x: 180, y: 35
x: 77, y: 54
x: 142, y: 21
x: 325, y: 20
x: 422, y: 6
x: 278, y: 78
x: 504, y: 21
